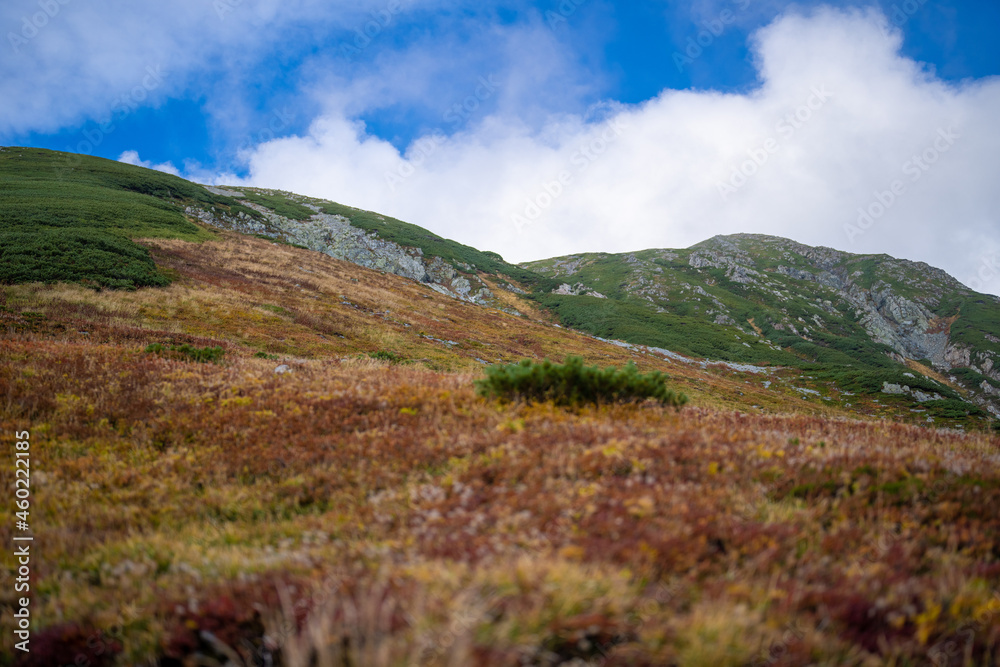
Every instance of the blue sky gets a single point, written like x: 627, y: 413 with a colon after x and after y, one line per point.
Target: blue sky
x: 473, y: 118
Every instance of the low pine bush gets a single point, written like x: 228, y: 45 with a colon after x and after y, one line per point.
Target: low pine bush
x: 572, y: 383
x: 189, y: 352
x: 385, y: 355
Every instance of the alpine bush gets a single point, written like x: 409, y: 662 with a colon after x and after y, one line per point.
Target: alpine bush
x: 186, y: 351
x: 572, y: 383
x: 385, y: 355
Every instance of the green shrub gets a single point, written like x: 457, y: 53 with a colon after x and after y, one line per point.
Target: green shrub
x: 572, y: 383
x: 93, y: 257
x: 385, y: 355
x: 189, y: 352
x: 72, y: 218
x: 265, y: 355
x: 953, y: 409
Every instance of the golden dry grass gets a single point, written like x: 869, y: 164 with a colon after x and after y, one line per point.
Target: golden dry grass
x: 382, y: 514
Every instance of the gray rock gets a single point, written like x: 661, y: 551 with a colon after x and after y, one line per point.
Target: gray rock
x: 225, y: 193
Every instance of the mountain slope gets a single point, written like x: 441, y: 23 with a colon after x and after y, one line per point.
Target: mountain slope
x: 373, y: 241
x: 194, y: 511
x: 870, y: 323
x: 866, y: 334
x: 71, y: 218
x: 272, y: 452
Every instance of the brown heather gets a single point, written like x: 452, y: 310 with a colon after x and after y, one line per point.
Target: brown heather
x: 357, y: 512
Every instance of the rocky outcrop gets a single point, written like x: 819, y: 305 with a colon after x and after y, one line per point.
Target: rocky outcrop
x: 736, y: 270
x: 335, y: 236
x: 577, y: 290
x: 919, y: 396
x: 893, y: 300
x: 902, y: 324
x: 907, y: 326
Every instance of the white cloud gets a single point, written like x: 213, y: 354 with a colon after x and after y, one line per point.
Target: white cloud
x: 864, y: 112
x: 132, y: 157
x: 65, y: 61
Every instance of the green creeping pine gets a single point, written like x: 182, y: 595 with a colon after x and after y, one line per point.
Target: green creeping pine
x: 572, y: 383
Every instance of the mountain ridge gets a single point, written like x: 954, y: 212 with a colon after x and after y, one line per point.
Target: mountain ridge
x: 894, y: 329
x: 247, y: 449
x: 753, y: 280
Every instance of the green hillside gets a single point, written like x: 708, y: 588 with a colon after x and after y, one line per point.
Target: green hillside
x: 849, y: 324
x: 851, y: 320
x: 72, y: 218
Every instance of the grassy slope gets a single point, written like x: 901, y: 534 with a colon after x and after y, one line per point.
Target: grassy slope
x: 172, y: 497
x: 472, y: 532
x: 657, y: 298
x: 70, y: 217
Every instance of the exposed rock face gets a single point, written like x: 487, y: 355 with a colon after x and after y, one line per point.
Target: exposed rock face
x: 907, y: 326
x: 919, y: 396
x: 577, y: 290
x: 902, y: 324
x: 335, y: 236
x: 957, y: 356
x: 736, y: 263
x: 817, y: 294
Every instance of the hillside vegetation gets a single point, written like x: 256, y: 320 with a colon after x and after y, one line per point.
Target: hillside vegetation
x: 72, y: 218
x: 190, y: 508
x: 854, y: 321
x: 280, y: 457
x: 890, y: 331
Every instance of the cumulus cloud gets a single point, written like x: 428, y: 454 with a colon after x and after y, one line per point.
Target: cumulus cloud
x: 132, y: 157
x: 66, y: 61
x: 845, y: 143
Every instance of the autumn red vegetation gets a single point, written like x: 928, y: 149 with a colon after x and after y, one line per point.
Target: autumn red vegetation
x: 362, y: 512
